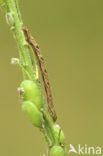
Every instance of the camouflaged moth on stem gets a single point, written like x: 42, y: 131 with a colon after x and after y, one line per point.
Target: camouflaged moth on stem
x: 43, y: 70
x: 34, y: 106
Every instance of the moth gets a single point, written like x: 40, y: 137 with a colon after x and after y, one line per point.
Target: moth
x: 43, y: 70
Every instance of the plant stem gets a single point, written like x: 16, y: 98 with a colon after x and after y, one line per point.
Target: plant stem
x: 16, y: 25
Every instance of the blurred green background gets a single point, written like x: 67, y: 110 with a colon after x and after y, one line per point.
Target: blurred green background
x: 70, y: 34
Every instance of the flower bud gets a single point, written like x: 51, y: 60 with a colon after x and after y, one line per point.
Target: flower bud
x: 57, y: 151
x: 31, y: 93
x: 32, y: 113
x: 59, y: 135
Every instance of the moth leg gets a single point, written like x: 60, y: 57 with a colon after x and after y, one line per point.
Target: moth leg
x: 37, y: 71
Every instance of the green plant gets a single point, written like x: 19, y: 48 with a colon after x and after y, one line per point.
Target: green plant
x: 34, y: 106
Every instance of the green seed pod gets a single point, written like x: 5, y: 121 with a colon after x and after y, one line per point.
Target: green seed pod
x: 59, y: 135
x: 32, y: 113
x: 31, y: 93
x: 57, y: 151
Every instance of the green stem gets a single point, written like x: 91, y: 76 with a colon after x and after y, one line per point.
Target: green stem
x: 16, y: 25
x: 49, y: 125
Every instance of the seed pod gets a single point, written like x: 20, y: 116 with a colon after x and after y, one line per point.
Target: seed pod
x: 57, y: 151
x: 59, y: 135
x: 32, y: 113
x: 31, y: 93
